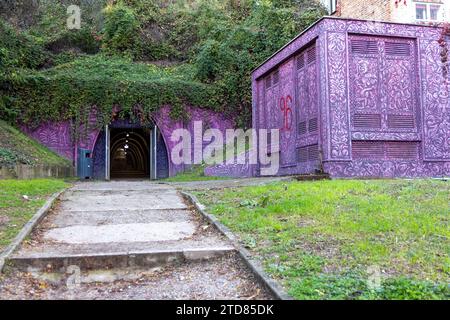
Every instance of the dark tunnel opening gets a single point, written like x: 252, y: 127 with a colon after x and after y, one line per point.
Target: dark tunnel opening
x: 130, y: 153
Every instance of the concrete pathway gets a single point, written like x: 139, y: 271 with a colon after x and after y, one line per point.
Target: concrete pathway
x: 124, y: 231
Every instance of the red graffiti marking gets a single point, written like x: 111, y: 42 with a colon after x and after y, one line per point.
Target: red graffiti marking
x: 285, y: 106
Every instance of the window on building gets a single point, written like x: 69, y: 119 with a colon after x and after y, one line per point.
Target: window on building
x: 434, y: 12
x: 421, y: 12
x: 330, y: 5
x: 428, y: 12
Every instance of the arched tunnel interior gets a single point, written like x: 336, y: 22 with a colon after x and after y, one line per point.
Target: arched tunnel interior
x: 130, y: 153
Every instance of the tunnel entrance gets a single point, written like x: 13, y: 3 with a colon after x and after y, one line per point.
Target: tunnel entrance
x: 130, y: 153
x: 129, y: 150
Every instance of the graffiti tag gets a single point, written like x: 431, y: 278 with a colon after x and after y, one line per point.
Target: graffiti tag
x: 285, y: 107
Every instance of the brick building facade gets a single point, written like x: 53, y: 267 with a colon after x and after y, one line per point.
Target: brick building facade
x: 401, y: 11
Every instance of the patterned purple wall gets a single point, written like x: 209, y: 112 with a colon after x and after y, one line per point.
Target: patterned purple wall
x: 375, y: 93
x: 57, y: 136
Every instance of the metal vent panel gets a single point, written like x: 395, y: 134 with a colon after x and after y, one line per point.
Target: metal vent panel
x: 367, y: 121
x: 303, y: 154
x: 402, y: 150
x: 276, y: 78
x: 308, y: 153
x: 268, y: 82
x: 312, y: 55
x: 396, y: 121
x: 402, y: 49
x: 364, y: 47
x: 385, y: 150
x: 367, y: 150
x: 302, y: 129
x: 313, y: 152
x: 313, y: 125
x: 300, y: 62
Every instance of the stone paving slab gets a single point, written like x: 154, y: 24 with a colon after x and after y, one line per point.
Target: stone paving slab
x: 74, y: 193
x: 130, y: 232
x: 120, y: 185
x: 121, y: 201
x: 70, y: 218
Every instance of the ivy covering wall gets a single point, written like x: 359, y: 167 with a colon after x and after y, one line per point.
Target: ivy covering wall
x: 139, y: 55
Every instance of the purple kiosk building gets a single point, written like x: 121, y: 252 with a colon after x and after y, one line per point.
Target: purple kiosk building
x: 359, y: 99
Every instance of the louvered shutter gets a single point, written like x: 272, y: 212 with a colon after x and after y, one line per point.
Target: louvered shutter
x: 302, y: 96
x: 307, y: 92
x: 400, y: 66
x: 382, y: 79
x: 364, y: 75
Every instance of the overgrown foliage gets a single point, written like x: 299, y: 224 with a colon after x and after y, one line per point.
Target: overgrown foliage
x: 221, y: 40
x: 17, y: 50
x: 120, y: 33
x: 138, y: 89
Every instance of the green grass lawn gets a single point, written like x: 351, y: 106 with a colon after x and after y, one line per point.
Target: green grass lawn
x: 330, y: 239
x: 15, y: 211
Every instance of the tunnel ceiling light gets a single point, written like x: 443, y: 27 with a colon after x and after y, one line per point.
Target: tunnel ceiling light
x: 126, y: 146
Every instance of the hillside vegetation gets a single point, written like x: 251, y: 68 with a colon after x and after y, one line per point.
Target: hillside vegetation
x: 139, y: 54
x: 15, y: 147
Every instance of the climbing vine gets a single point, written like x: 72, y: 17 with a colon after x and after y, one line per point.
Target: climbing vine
x: 445, y: 33
x: 71, y: 90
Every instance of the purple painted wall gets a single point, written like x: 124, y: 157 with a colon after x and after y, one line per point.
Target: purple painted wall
x: 358, y: 99
x: 57, y: 136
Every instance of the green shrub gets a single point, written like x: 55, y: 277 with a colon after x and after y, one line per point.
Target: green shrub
x: 120, y: 33
x: 408, y: 289
x: 9, y: 158
x: 83, y: 40
x: 18, y: 50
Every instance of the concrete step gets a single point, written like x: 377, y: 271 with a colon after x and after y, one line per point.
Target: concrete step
x: 105, y: 260
x: 111, y: 217
x: 121, y: 201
